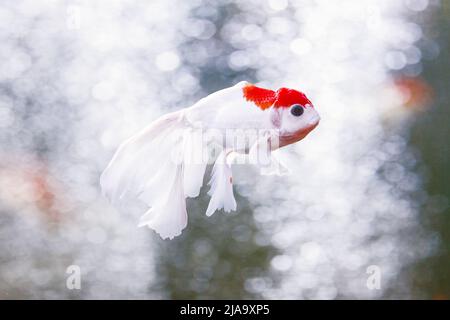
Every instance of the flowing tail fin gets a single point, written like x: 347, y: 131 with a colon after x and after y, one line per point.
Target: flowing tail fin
x: 151, y: 166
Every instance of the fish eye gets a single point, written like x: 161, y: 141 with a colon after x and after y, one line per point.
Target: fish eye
x: 297, y: 110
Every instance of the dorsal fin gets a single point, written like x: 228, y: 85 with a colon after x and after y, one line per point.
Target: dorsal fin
x: 263, y: 98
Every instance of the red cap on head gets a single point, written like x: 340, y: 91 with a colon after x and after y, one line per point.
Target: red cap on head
x: 287, y: 97
x: 265, y: 98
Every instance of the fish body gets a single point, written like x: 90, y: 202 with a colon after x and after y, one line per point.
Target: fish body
x: 165, y: 163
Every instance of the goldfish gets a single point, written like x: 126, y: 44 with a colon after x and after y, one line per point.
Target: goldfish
x: 165, y: 163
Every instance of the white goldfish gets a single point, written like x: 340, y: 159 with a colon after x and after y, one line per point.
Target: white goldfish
x: 165, y: 163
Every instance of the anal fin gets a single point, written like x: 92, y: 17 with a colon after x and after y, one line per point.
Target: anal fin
x: 221, y: 191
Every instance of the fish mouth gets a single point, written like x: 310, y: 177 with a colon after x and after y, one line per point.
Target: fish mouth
x: 314, y: 121
x: 300, y: 134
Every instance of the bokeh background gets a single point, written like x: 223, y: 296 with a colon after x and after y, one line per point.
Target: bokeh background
x: 370, y: 186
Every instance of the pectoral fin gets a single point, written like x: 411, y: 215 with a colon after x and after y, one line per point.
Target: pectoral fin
x: 262, y: 155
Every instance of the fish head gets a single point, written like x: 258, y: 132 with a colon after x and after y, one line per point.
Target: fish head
x: 292, y: 114
x: 294, y: 118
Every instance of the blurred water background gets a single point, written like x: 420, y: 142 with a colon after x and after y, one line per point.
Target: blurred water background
x: 369, y: 187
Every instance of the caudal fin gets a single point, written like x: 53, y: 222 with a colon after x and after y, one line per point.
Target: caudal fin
x: 150, y: 167
x: 168, y: 216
